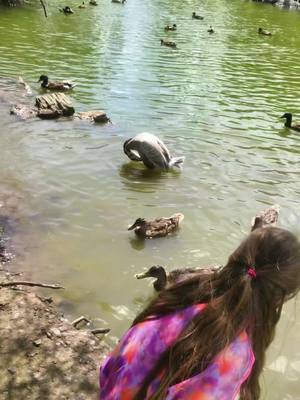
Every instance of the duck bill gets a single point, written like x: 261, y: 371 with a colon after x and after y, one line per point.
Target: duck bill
x: 134, y: 225
x: 283, y: 116
x: 143, y: 275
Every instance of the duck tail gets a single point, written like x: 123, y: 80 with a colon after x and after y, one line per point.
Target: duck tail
x: 176, y: 162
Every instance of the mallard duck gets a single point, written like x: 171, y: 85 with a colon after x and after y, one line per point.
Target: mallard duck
x: 261, y: 31
x: 169, y: 44
x: 171, y: 28
x: 159, y: 227
x: 151, y: 151
x: 211, y: 29
x: 267, y: 217
x: 119, y: 1
x: 164, y: 280
x: 82, y: 5
x: 288, y: 122
x: 195, y: 16
x: 93, y: 3
x: 59, y: 85
x: 67, y: 10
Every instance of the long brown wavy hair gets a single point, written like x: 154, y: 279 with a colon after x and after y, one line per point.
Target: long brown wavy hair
x: 235, y: 302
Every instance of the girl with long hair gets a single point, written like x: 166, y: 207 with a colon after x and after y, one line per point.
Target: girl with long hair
x: 205, y: 338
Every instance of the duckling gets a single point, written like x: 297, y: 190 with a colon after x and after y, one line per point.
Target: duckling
x: 164, y: 280
x: 267, y: 217
x: 195, y: 16
x: 211, y: 29
x: 119, y: 1
x: 171, y: 28
x: 82, y: 5
x: 288, y: 122
x: 93, y: 3
x: 159, y: 227
x: 169, y: 44
x: 62, y: 85
x: 67, y: 10
x: 261, y: 31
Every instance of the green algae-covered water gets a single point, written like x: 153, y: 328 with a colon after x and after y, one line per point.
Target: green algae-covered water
x: 216, y: 100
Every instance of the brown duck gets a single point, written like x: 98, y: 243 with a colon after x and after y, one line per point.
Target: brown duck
x: 168, y: 44
x: 159, y: 227
x: 59, y: 85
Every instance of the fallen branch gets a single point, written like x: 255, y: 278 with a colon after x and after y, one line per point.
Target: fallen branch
x: 98, y: 331
x: 80, y: 319
x: 26, y: 283
x: 44, y: 7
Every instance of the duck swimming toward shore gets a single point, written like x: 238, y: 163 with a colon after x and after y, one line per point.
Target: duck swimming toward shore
x: 171, y: 28
x: 149, y: 149
x: 262, y: 31
x: 159, y: 227
x: 58, y: 85
x: 288, y: 122
x: 195, y: 16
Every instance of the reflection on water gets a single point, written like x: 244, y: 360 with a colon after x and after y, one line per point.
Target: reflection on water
x: 216, y: 100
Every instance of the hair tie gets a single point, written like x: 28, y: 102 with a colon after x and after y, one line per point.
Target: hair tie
x: 251, y: 272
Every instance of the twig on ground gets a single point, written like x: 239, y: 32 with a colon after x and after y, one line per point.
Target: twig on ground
x: 26, y: 283
x: 100, y: 331
x: 80, y: 319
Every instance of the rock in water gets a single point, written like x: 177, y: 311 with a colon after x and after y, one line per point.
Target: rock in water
x: 53, y: 105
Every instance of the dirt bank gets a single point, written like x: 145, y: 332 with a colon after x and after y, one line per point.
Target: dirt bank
x: 42, y: 355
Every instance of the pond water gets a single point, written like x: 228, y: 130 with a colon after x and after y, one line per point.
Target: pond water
x: 217, y: 100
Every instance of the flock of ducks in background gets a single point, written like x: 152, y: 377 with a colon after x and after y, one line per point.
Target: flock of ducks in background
x: 69, y: 10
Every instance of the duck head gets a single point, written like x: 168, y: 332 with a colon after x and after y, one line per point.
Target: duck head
x: 137, y: 224
x: 288, y: 117
x: 174, y: 26
x: 44, y: 79
x: 161, y: 41
x: 260, y: 30
x: 158, y: 272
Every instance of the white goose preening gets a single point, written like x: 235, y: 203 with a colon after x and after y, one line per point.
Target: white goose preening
x: 150, y: 150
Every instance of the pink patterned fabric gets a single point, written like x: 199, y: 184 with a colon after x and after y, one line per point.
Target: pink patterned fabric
x: 125, y: 369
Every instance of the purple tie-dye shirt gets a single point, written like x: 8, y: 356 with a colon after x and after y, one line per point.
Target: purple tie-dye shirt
x: 125, y: 369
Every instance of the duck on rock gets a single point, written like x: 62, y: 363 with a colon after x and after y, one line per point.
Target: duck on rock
x: 288, y: 122
x: 159, y: 227
x: 58, y: 85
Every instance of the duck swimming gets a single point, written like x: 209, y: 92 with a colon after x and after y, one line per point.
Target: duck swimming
x: 164, y: 280
x: 82, y: 5
x: 169, y: 44
x: 261, y: 31
x: 210, y: 30
x: 159, y: 227
x: 149, y: 149
x: 267, y: 217
x: 288, y: 122
x: 171, y: 28
x: 195, y: 16
x: 93, y: 3
x: 59, y: 85
x: 67, y: 10
x: 119, y: 1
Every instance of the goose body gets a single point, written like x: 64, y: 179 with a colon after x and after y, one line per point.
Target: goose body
x: 195, y: 16
x: 59, y: 85
x: 159, y: 227
x: 150, y: 150
x: 171, y: 27
x: 164, y: 280
x: 288, y: 122
x: 167, y: 43
x: 262, y: 31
